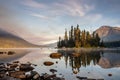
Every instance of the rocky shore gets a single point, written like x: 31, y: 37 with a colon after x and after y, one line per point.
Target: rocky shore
x: 24, y: 71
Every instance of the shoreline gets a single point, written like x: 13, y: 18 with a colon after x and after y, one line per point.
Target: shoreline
x: 89, y: 49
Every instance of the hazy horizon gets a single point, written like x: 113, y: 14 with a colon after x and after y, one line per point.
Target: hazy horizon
x: 43, y: 21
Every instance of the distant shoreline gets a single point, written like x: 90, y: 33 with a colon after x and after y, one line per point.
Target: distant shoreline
x: 90, y: 49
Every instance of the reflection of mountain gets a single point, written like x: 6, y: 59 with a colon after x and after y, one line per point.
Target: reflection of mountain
x: 18, y: 53
x: 8, y: 40
x: 110, y: 60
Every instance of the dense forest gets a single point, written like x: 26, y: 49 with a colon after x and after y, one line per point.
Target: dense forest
x: 78, y: 38
x: 112, y: 44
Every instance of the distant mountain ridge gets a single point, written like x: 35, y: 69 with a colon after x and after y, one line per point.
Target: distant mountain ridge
x: 8, y: 40
x: 53, y: 45
x: 108, y: 33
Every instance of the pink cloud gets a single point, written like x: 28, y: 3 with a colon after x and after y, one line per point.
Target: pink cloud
x: 32, y: 3
x: 71, y: 7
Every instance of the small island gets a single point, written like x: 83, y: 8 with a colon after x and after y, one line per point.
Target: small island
x: 78, y: 38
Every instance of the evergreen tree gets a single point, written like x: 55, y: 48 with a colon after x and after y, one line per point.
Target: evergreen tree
x: 62, y: 43
x: 70, y: 41
x: 97, y: 40
x: 83, y: 39
x: 79, y: 38
x: 72, y: 35
x: 69, y: 35
x: 66, y: 38
x: 102, y: 44
x: 59, y: 43
x: 88, y: 38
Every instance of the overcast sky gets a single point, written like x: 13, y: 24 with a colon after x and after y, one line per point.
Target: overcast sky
x: 43, y: 21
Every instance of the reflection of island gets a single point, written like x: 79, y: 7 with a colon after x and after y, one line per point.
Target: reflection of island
x: 102, y: 58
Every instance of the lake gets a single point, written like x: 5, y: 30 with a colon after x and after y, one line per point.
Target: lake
x: 94, y: 64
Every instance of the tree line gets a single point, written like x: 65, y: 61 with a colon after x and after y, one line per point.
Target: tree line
x: 78, y: 38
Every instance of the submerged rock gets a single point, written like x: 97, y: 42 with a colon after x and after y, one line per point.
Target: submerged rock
x: 26, y: 67
x: 18, y: 74
x: 2, y: 65
x: 14, y: 65
x: 56, y: 62
x: 53, y: 70
x: 48, y: 77
x: 81, y: 78
x: 1, y: 52
x: 11, y: 52
x: 9, y: 78
x: 16, y: 62
x: 58, y: 78
x: 109, y: 74
x: 55, y: 55
x: 2, y: 74
x: 48, y: 63
x: 18, y: 71
x: 35, y: 75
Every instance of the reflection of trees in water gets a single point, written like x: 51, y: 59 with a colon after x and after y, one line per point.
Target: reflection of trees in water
x: 84, y: 59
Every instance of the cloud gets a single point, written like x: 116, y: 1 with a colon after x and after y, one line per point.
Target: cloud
x: 42, y: 40
x: 39, y: 16
x: 71, y: 7
x: 93, y: 17
x: 10, y: 23
x: 33, y: 3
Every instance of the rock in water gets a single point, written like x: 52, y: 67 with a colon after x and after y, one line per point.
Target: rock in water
x: 26, y: 67
x: 11, y: 52
x: 36, y: 76
x: 53, y: 70
x: 18, y: 74
x: 48, y: 63
x: 55, y: 55
x: 109, y: 74
x: 58, y: 78
x: 81, y: 78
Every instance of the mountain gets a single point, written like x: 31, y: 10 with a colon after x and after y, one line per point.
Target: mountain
x: 53, y: 45
x: 108, y: 33
x: 8, y: 40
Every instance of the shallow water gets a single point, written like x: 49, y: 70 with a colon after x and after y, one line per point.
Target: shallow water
x: 91, y: 64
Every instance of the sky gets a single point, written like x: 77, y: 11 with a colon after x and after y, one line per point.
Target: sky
x: 43, y: 21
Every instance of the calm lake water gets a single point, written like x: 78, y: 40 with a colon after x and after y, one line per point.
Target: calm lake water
x: 92, y: 64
